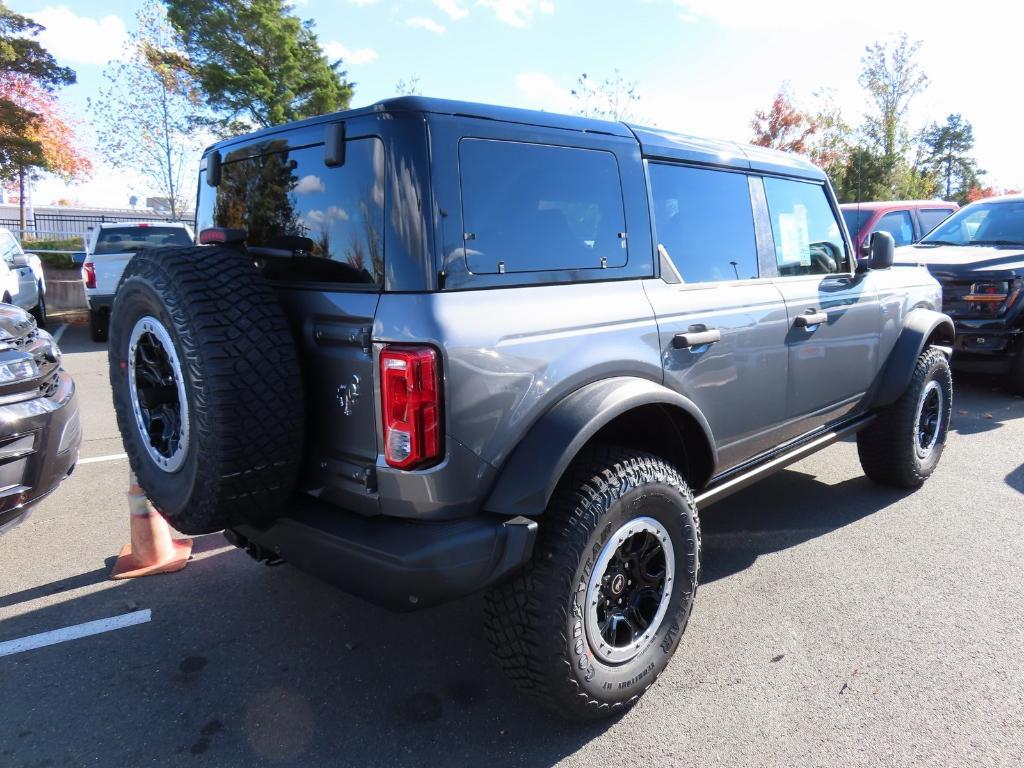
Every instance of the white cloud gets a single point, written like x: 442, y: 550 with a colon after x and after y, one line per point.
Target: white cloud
x: 335, y: 50
x: 362, y: 2
x: 543, y: 92
x: 309, y: 184
x: 74, y: 39
x: 518, y: 13
x: 334, y: 213
x: 422, y: 22
x: 452, y: 8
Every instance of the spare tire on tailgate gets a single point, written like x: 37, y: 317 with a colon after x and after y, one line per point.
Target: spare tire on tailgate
x: 207, y: 387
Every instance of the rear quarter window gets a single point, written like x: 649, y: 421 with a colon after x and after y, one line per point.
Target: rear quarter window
x: 932, y: 217
x: 305, y: 221
x: 536, y: 207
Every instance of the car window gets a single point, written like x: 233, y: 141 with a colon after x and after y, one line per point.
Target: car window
x: 899, y: 225
x: 855, y: 219
x: 536, y: 207
x: 704, y: 222
x: 808, y: 239
x: 8, y: 245
x: 305, y: 221
x: 932, y: 217
x: 992, y: 223
x: 137, y: 238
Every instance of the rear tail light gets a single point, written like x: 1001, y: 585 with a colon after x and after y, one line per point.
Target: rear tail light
x: 89, y: 273
x: 410, y: 385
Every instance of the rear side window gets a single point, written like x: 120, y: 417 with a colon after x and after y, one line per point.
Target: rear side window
x: 932, y: 217
x: 808, y: 239
x: 305, y: 221
x: 130, y: 239
x: 704, y: 222
x: 899, y: 225
x: 535, y: 207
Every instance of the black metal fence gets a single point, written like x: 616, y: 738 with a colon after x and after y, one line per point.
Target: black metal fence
x: 72, y: 224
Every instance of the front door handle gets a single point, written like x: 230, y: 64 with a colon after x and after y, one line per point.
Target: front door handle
x: 696, y: 338
x: 811, y: 317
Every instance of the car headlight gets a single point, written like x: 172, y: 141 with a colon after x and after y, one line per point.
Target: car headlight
x: 18, y: 370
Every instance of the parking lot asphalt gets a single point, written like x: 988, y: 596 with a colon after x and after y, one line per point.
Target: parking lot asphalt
x: 839, y: 623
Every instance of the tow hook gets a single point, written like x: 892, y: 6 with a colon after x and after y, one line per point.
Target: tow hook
x: 254, y: 550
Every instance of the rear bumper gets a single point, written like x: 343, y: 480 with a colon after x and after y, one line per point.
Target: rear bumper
x: 397, y: 563
x: 39, y: 441
x: 99, y: 303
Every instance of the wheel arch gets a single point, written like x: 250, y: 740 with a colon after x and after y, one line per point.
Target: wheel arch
x: 923, y: 327
x: 625, y: 411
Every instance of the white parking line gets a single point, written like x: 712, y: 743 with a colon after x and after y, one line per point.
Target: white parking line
x: 74, y: 632
x: 59, y: 332
x: 110, y: 457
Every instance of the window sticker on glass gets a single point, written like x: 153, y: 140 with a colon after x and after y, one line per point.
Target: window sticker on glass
x: 796, y: 241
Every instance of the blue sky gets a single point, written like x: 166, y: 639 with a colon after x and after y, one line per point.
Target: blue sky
x: 703, y: 66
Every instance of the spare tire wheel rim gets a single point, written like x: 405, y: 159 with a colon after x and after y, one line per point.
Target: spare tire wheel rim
x: 629, y: 591
x: 157, y: 390
x: 929, y: 418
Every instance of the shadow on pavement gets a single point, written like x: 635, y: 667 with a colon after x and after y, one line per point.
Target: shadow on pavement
x: 981, y: 404
x: 799, y: 508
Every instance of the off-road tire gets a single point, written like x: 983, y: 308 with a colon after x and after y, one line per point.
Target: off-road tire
x: 99, y: 326
x: 534, y: 622
x: 242, y: 383
x: 888, y: 446
x: 39, y: 310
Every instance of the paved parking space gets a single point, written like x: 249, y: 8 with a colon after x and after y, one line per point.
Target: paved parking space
x: 839, y: 623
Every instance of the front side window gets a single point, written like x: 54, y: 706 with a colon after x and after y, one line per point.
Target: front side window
x: 932, y: 217
x: 536, y: 207
x: 856, y: 219
x: 899, y: 225
x: 305, y: 221
x: 704, y: 222
x: 137, y: 238
x: 808, y: 239
x: 8, y: 246
x: 982, y: 224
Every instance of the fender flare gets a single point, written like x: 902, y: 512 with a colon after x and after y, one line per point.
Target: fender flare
x: 528, y: 478
x: 921, y: 324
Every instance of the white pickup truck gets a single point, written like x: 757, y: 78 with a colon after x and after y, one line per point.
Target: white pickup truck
x: 108, y: 249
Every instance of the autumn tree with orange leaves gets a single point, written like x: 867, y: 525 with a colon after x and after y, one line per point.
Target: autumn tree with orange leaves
x: 783, y: 126
x: 34, y: 135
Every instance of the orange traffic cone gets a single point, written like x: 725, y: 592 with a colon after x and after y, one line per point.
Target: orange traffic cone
x: 152, y: 549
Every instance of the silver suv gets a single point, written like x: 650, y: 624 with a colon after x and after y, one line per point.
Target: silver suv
x: 427, y: 347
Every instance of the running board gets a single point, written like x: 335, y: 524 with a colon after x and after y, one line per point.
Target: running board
x: 779, y: 461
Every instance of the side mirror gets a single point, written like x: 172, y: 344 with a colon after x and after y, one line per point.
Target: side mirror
x: 78, y: 258
x: 883, y: 250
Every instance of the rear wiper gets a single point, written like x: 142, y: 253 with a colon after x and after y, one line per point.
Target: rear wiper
x: 997, y: 242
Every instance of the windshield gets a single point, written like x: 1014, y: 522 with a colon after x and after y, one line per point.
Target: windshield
x: 855, y: 219
x: 126, y: 239
x: 992, y: 223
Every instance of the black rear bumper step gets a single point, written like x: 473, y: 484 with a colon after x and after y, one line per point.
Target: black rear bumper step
x: 397, y: 563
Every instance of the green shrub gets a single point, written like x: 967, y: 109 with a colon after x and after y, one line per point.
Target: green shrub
x: 56, y: 260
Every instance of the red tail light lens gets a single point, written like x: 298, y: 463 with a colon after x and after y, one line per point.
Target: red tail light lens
x: 89, y: 273
x: 410, y: 385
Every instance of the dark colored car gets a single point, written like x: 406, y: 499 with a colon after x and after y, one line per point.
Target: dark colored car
x: 429, y: 347
x: 40, y: 431
x: 977, y: 255
x: 906, y: 220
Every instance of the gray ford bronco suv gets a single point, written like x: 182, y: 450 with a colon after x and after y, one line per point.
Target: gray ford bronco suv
x: 427, y: 347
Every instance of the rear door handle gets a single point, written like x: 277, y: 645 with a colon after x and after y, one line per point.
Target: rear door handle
x: 810, y: 317
x: 696, y: 338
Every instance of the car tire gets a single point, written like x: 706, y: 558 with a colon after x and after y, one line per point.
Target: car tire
x: 1015, y: 379
x: 39, y: 310
x: 207, y: 388
x: 904, y: 443
x: 99, y: 326
x: 581, y: 658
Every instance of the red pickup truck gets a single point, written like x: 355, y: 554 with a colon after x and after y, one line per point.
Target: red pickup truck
x: 906, y: 220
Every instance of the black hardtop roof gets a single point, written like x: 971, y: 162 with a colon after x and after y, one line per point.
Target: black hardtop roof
x: 654, y: 142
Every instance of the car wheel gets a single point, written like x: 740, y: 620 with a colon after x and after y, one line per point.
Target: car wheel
x: 99, y: 326
x: 596, y: 616
x: 904, y: 443
x: 207, y: 390
x: 39, y: 311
